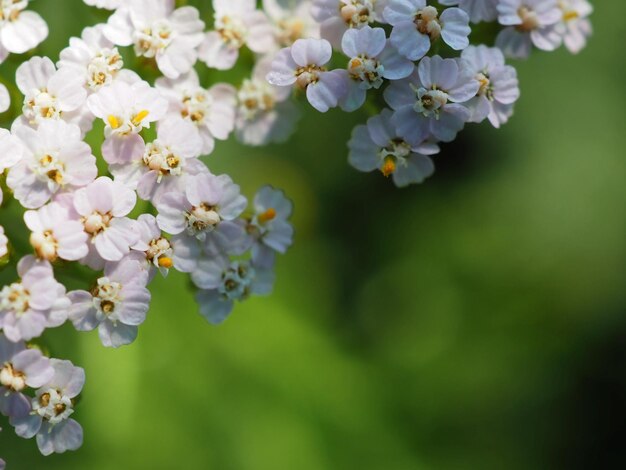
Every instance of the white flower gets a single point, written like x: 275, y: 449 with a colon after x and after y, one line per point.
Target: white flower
x: 237, y: 23
x: 126, y: 109
x: 19, y: 30
x: 372, y: 58
x: 93, y: 57
x: 155, y: 247
x: 264, y: 114
x: 102, y: 207
x: 35, y: 302
x: 528, y: 22
x: 212, y: 111
x: 292, y: 20
x: 478, y: 10
x: 54, y: 235
x: 303, y: 65
x: 269, y: 228
x: 50, y: 94
x: 165, y: 163
x: 223, y: 282
x: 575, y: 26
x: 378, y: 146
x: 204, y: 213
x: 158, y: 30
x: 52, y: 407
x: 417, y: 25
x: 337, y: 16
x: 117, y: 305
x: 54, y: 159
x: 427, y: 104
x: 499, y: 87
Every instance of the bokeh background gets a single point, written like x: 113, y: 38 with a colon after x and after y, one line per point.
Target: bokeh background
x: 475, y: 321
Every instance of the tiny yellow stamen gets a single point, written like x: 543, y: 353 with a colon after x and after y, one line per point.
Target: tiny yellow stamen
x: 267, y: 215
x: 165, y: 262
x: 389, y: 166
x: 113, y: 122
x: 140, y: 117
x: 570, y: 15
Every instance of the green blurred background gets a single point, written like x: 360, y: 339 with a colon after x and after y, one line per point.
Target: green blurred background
x: 474, y: 321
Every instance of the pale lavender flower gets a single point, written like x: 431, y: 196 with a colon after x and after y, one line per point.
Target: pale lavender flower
x: 102, y: 208
x: 338, y: 16
x: 126, y: 109
x: 54, y: 235
x: 52, y: 407
x: 302, y: 65
x: 157, y: 250
x: 55, y: 158
x: 35, y: 302
x: 291, y: 20
x: 478, y: 10
x: 204, y: 213
x: 269, y: 229
x: 93, y: 57
x: 165, y: 163
x: 575, y: 26
x: 20, y: 368
x: 528, y: 22
x: 50, y: 94
x: 427, y: 104
x: 211, y: 111
x: 378, y: 146
x: 372, y: 59
x: 237, y: 23
x: 417, y: 25
x: 223, y: 282
x: 264, y: 114
x: 499, y: 87
x: 117, y: 305
x: 158, y: 30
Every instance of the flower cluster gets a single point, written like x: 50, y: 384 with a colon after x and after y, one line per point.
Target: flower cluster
x: 434, y: 80
x: 144, y: 201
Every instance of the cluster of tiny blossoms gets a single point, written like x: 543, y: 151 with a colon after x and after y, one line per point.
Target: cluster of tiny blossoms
x: 434, y: 80
x: 156, y: 206
x: 149, y: 204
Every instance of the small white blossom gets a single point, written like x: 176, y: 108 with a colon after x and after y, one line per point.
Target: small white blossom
x: 117, y: 304
x: 237, y: 23
x: 52, y: 407
x: 303, y: 65
x: 528, y: 22
x: 338, y: 16
x: 417, y: 25
x: 157, y: 30
x: 211, y: 111
x: 575, y: 26
x: 499, y: 88
x: 428, y: 103
x: 378, y: 146
x: 20, y: 30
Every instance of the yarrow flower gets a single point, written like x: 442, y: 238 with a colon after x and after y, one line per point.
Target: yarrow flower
x: 338, y: 16
x: 51, y: 409
x: 303, y: 65
x: 20, y: 29
x: 378, y: 146
x: 157, y: 30
x: 416, y: 25
x: 528, y: 23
